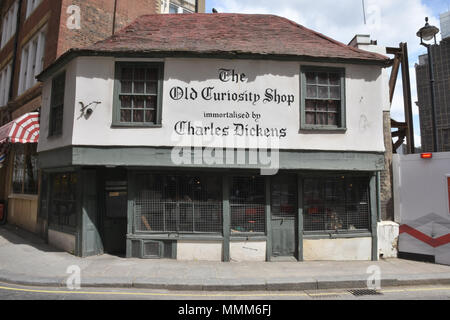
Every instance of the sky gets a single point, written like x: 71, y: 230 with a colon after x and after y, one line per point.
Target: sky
x: 387, y: 21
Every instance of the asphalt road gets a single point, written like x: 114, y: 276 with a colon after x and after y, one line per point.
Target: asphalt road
x: 14, y: 292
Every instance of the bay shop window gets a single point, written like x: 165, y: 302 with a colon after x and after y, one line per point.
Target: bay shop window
x: 178, y: 203
x: 192, y: 203
x: 333, y: 204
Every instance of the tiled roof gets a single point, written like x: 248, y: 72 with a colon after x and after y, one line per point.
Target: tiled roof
x: 227, y: 33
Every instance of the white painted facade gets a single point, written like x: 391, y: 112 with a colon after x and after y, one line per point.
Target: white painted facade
x: 199, y: 250
x: 337, y: 249
x: 91, y: 79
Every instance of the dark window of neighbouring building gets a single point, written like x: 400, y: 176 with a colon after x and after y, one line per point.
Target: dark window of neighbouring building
x: 25, y: 173
x: 138, y: 94
x: 57, y: 105
x: 63, y: 200
x: 178, y: 203
x: 333, y: 204
x: 323, y: 98
x: 247, y: 204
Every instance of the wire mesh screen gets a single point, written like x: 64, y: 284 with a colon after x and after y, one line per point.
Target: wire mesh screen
x: 284, y: 196
x: 333, y: 204
x: 176, y: 203
x: 247, y: 204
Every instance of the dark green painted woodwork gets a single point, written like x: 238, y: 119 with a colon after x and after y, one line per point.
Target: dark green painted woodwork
x: 283, y: 236
x: 226, y: 212
x: 300, y: 218
x: 91, y: 240
x: 307, y: 127
x: 161, y: 157
x: 374, y: 216
x: 283, y: 226
x: 269, y: 240
x: 117, y: 85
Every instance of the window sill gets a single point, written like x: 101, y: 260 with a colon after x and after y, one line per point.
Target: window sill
x: 134, y: 126
x: 322, y: 129
x: 54, y: 136
x: 63, y: 229
x: 246, y: 237
x: 30, y: 197
x: 174, y: 236
x: 334, y: 235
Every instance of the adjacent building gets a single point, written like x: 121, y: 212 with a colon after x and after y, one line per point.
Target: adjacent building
x: 34, y: 34
x: 222, y: 137
x: 441, y: 62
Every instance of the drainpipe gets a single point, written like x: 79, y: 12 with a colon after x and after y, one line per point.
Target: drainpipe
x: 196, y: 6
x: 16, y: 49
x: 114, y: 18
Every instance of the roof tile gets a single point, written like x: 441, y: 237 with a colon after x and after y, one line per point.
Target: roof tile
x: 258, y: 34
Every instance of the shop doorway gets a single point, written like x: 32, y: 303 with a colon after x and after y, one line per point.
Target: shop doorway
x: 115, y: 213
x: 284, y: 216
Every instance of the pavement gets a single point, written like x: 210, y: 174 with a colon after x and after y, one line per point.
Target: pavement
x: 27, y: 260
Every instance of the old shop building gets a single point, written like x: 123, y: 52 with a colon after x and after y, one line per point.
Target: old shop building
x: 119, y: 119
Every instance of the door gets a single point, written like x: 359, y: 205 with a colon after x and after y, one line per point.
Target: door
x: 284, y: 215
x: 92, y: 244
x: 115, y: 215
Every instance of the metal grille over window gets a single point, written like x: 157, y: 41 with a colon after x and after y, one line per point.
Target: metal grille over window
x: 63, y: 200
x: 323, y: 98
x: 247, y: 203
x: 184, y: 204
x: 138, y: 94
x: 333, y: 204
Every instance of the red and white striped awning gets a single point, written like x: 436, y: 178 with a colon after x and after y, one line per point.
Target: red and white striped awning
x: 22, y: 130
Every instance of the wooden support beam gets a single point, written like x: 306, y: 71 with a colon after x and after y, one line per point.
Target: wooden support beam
x: 394, y: 75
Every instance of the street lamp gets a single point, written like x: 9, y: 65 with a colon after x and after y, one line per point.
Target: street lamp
x: 427, y: 33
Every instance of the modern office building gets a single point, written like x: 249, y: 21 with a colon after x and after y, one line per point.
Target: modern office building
x: 441, y: 63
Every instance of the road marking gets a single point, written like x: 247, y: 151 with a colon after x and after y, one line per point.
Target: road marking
x: 329, y: 294
x: 154, y: 294
x: 4, y: 288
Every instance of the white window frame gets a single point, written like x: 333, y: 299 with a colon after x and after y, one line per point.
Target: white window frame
x: 5, y: 82
x: 32, y: 60
x: 9, y: 25
x: 166, y: 5
x: 31, y: 6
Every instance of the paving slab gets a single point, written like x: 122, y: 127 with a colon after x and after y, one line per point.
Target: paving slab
x: 27, y: 260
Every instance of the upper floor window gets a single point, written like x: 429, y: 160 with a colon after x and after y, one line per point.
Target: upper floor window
x: 31, y: 5
x: 57, y: 105
x: 32, y: 61
x: 9, y: 23
x: 185, y: 6
x: 138, y: 94
x: 323, y: 98
x: 173, y: 8
x: 5, y: 81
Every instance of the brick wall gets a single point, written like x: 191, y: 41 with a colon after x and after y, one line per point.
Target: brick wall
x: 97, y: 18
x: 387, y: 206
